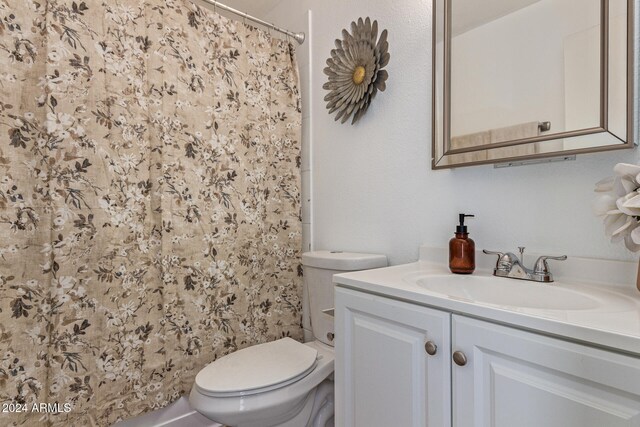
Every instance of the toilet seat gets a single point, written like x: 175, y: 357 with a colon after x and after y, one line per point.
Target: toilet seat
x: 257, y: 369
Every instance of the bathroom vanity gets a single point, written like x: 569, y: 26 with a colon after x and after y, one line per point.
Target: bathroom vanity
x: 418, y: 346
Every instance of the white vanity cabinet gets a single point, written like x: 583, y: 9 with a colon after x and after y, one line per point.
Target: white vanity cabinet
x: 481, y: 375
x: 517, y: 378
x: 384, y: 376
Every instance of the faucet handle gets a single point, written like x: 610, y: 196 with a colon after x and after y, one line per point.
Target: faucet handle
x: 542, y: 267
x: 500, y: 254
x: 505, y: 259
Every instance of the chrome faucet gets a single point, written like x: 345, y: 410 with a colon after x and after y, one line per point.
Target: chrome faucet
x: 510, y: 266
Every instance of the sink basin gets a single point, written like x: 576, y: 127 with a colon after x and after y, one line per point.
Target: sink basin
x: 508, y: 292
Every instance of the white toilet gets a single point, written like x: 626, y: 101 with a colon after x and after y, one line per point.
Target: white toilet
x: 283, y: 383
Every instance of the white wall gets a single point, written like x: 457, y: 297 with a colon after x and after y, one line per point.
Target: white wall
x: 373, y: 188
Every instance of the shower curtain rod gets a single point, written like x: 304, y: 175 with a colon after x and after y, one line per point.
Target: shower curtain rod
x: 299, y: 37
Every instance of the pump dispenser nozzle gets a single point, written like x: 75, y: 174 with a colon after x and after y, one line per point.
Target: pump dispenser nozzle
x: 463, y: 228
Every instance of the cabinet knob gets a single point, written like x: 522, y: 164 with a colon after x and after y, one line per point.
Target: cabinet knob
x: 459, y: 358
x: 330, y: 336
x: 431, y: 348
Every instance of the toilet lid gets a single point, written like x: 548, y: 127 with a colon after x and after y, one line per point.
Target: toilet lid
x: 257, y: 368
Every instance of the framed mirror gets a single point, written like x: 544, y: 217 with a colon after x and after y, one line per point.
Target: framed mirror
x: 527, y: 79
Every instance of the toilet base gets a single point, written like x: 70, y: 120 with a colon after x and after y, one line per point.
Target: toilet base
x: 298, y: 416
x: 317, y: 410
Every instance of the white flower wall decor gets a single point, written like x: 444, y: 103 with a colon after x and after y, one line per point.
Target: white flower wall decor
x: 618, y: 203
x: 355, y: 70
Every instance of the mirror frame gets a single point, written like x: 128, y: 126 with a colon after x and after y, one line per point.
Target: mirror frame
x: 441, y: 12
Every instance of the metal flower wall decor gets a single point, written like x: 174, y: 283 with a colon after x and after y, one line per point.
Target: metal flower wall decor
x: 355, y: 70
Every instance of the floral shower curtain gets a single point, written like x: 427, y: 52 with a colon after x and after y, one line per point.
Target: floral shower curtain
x: 149, y: 202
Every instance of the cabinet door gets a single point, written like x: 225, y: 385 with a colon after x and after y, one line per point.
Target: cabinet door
x: 384, y: 375
x: 514, y: 378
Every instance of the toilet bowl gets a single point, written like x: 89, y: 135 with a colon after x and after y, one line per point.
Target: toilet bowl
x: 288, y: 403
x: 282, y: 383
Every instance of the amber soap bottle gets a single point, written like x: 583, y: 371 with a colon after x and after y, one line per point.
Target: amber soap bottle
x: 462, y: 250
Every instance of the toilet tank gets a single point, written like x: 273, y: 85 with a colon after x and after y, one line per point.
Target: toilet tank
x: 319, y: 268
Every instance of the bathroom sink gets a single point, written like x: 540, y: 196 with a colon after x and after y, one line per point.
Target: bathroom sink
x: 508, y: 292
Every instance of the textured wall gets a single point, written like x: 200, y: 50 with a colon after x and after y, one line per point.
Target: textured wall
x: 373, y: 189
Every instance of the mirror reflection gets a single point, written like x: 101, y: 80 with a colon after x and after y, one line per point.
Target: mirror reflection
x: 528, y: 78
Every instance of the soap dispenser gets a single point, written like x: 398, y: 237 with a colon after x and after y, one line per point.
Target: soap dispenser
x: 462, y: 250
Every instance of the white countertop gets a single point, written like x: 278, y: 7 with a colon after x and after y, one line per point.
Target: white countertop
x: 607, y: 326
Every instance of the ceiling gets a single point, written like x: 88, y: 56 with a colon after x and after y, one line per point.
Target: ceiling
x: 257, y: 8
x: 473, y: 14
